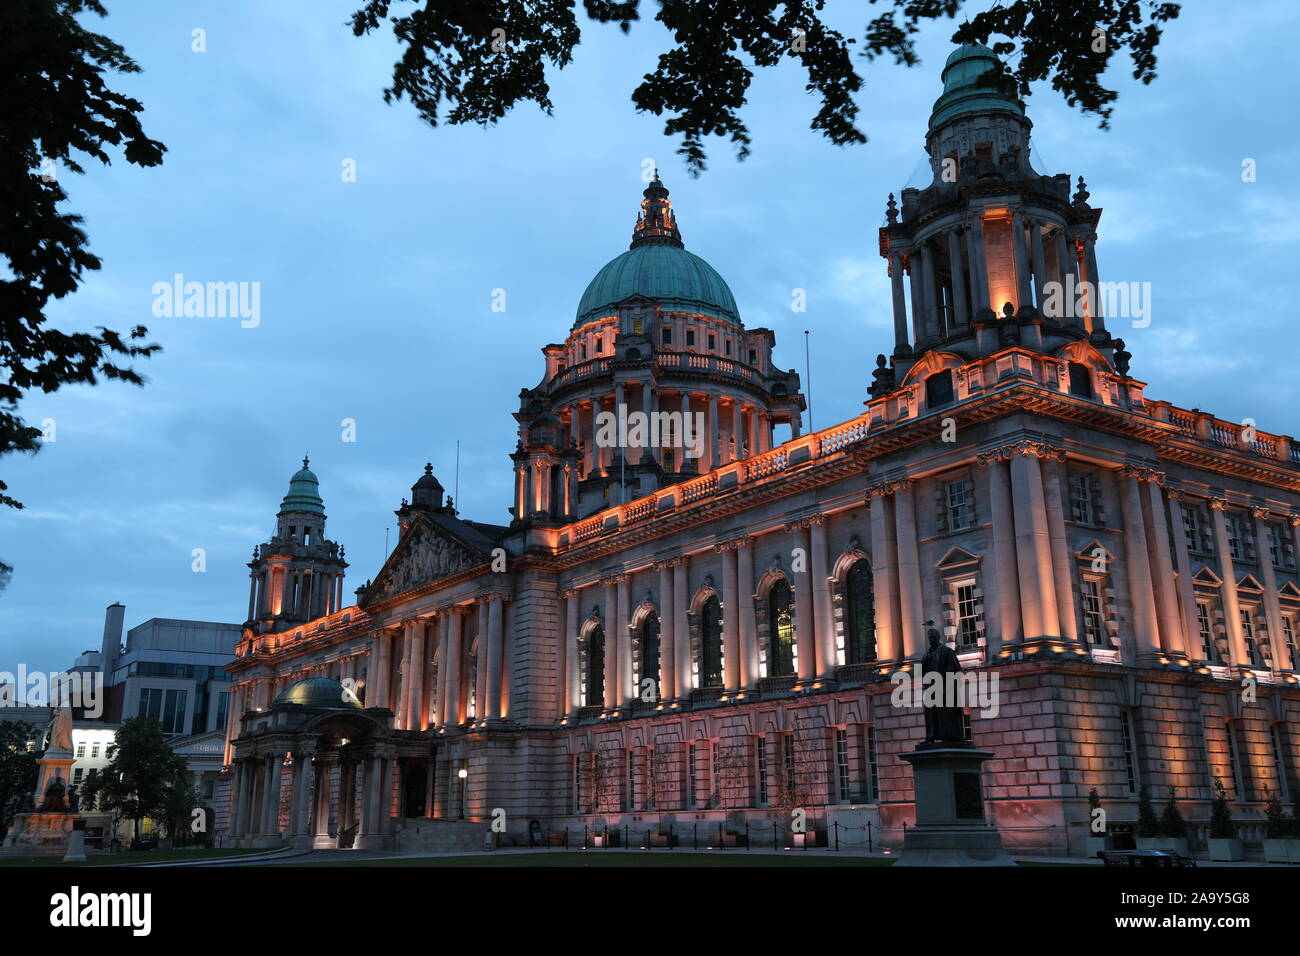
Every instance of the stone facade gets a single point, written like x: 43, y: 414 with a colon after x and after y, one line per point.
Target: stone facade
x: 714, y: 648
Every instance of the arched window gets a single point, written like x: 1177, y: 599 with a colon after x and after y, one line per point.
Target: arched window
x: 650, y: 652
x: 711, y: 644
x: 860, y: 633
x: 596, y: 667
x: 780, y: 647
x: 938, y: 389
x: 1080, y: 380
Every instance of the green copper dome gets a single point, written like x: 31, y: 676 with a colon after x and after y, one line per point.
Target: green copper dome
x: 304, y: 493
x: 658, y: 267
x: 969, y: 85
x: 319, y: 692
x: 677, y: 279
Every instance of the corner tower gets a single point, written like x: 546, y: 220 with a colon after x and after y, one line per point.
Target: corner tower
x: 298, y: 574
x: 657, y: 340
x: 992, y: 253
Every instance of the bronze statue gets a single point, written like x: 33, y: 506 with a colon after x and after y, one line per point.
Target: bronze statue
x: 942, y: 720
x: 55, y: 792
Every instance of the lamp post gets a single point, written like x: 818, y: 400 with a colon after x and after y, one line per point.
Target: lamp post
x: 462, y: 773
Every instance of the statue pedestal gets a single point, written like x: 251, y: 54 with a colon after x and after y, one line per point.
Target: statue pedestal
x: 39, y: 834
x: 950, y: 826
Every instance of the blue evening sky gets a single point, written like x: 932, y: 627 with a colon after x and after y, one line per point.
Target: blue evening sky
x: 376, y: 295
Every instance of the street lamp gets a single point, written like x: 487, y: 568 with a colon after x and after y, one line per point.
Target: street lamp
x: 462, y: 773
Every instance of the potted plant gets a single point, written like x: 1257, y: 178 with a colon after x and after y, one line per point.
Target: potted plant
x: 1277, y: 828
x: 1098, y: 838
x: 1173, y: 828
x: 1148, y: 824
x: 1224, y: 845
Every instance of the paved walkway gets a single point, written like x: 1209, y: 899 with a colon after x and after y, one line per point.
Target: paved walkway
x: 344, y: 857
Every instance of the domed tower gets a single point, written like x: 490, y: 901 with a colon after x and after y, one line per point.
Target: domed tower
x: 298, y: 574
x: 992, y: 253
x: 427, y: 497
x: 657, y: 381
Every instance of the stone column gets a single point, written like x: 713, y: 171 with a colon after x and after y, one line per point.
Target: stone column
x: 403, y: 708
x: 496, y: 657
x: 1268, y: 578
x: 303, y: 781
x: 271, y: 822
x: 666, y: 689
x: 884, y: 575
x: 611, y: 619
x: 1186, y: 591
x: 417, y: 658
x: 572, y: 655
x: 737, y: 432
x: 805, y: 636
x: 730, y: 617
x: 455, y: 663
x: 1023, y: 288
x: 1039, y: 260
x: 748, y: 675
x: 1033, y: 546
x: 900, y: 302
x: 681, y: 632
x: 714, y: 460
x: 597, y: 463
x: 237, y: 810
x: 1062, y: 562
x: 933, y: 324
x: 627, y: 693
x: 480, y: 660
x: 823, y: 615
x: 911, y: 607
x: 645, y: 409
x: 1004, y: 575
x: 320, y: 826
x: 918, y: 298
x: 444, y: 672
x: 1094, y: 300
x: 1173, y: 638
x: 1136, y: 557
x: 956, y: 268
x: 978, y: 272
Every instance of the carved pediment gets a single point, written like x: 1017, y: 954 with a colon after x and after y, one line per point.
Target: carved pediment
x: 425, y: 554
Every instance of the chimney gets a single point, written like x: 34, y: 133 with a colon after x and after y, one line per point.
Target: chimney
x: 112, y: 643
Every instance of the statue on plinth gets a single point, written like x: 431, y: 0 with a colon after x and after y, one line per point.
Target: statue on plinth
x: 55, y: 800
x: 943, y: 720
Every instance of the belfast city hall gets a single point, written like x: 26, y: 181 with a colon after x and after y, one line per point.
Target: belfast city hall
x: 695, y: 613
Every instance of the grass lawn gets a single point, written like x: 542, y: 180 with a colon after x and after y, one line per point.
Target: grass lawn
x: 618, y: 859
x: 140, y: 856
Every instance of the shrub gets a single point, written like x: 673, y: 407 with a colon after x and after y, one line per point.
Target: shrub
x: 1221, y: 827
x: 1172, y: 823
x: 1147, y: 823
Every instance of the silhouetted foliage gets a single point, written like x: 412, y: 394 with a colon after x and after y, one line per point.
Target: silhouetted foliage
x: 471, y: 61
x: 57, y: 109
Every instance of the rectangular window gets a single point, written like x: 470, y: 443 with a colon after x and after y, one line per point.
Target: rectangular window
x: 1234, y: 542
x: 690, y: 337
x: 666, y: 336
x: 1248, y: 635
x: 599, y: 347
x: 1282, y: 761
x: 873, y: 781
x: 959, y: 499
x: 728, y: 346
x: 76, y: 776
x: 1234, y: 760
x: 575, y: 782
x: 760, y: 776
x: 1081, y: 509
x: 81, y: 751
x: 1280, y: 547
x: 1094, y: 618
x: 966, y: 730
x: 968, y: 618
x: 1193, y: 528
x: 1206, y: 630
x: 223, y: 709
x: 842, y: 763
x: 1288, y: 638
x: 1129, y: 743
x: 94, y: 751
x: 753, y: 357
x: 692, y: 776
x: 713, y: 342
x: 787, y: 765
x: 630, y: 757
